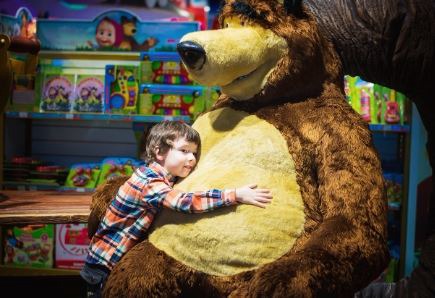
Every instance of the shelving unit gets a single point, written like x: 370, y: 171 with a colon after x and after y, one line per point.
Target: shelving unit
x: 96, y: 116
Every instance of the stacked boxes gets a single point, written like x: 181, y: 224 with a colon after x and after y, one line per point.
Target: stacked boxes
x: 375, y: 103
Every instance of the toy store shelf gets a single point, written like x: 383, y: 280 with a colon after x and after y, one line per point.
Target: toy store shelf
x: 90, y: 116
x: 100, y: 55
x: 36, y: 187
x: 389, y: 128
x: 36, y: 207
x: 28, y: 186
x: 11, y: 271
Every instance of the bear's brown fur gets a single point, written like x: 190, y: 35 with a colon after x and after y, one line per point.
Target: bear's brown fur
x: 343, y: 245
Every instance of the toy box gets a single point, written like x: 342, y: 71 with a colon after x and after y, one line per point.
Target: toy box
x: 89, y: 92
x: 112, y: 31
x: 56, y: 92
x: 30, y: 245
x: 121, y: 89
x: 71, y: 245
x: 362, y: 100
x: 83, y: 175
x: 172, y: 100
x: 163, y: 68
x: 116, y: 166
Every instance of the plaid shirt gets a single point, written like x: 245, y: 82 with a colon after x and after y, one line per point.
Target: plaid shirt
x: 132, y: 211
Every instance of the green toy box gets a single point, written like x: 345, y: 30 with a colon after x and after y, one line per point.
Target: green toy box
x: 171, y: 100
x: 83, y: 175
x: 29, y: 246
x: 116, y: 166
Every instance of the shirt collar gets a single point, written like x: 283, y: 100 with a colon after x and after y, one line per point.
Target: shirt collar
x: 162, y: 171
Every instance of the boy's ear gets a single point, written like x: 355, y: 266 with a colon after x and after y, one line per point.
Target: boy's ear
x: 159, y: 156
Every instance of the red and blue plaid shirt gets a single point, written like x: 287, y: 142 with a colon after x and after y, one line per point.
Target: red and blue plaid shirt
x: 132, y: 211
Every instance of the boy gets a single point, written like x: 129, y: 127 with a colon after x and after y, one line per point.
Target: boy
x: 171, y: 151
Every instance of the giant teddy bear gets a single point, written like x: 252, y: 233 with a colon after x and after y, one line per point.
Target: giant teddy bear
x: 282, y: 121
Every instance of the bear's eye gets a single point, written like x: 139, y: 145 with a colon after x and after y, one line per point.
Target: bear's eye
x: 227, y: 25
x: 242, y: 23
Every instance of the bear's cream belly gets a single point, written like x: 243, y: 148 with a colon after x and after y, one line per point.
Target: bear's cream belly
x: 234, y: 239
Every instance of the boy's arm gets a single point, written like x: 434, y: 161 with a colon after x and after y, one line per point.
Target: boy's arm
x: 191, y: 202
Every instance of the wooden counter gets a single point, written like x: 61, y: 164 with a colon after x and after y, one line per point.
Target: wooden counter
x: 38, y: 207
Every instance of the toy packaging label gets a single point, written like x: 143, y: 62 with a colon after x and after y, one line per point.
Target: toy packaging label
x: 112, y: 31
x: 83, y: 175
x: 174, y: 100
x: 72, y: 244
x: 57, y: 93
x: 163, y: 68
x: 89, y: 93
x: 121, y: 89
x: 30, y: 246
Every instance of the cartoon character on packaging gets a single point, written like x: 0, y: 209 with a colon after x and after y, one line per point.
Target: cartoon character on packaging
x: 12, y: 241
x: 392, y: 114
x: 129, y: 42
x: 27, y: 26
x: 108, y: 35
x: 365, y: 105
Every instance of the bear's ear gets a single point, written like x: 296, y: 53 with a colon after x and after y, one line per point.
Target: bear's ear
x: 293, y: 7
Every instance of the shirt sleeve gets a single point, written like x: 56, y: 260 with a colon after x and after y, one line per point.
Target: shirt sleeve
x: 191, y: 202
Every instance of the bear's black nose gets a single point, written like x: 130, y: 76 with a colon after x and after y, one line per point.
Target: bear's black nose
x: 192, y: 54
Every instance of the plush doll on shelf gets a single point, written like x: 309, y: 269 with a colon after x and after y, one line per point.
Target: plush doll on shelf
x: 282, y: 119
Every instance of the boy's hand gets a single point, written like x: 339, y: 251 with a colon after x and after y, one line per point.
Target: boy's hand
x: 250, y: 194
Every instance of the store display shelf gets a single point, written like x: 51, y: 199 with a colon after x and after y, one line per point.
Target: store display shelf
x: 92, y: 116
x: 389, y: 128
x: 28, y: 186
x: 36, y: 187
x: 98, y: 55
x: 11, y: 271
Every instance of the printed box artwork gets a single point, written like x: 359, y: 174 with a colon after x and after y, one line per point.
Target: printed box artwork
x: 89, y: 93
x: 122, y: 89
x: 57, y: 93
x: 83, y: 175
x: 172, y: 100
x: 112, y: 167
x: 375, y: 103
x: 22, y: 24
x: 163, y: 68
x: 112, y: 31
x: 72, y: 244
x: 30, y: 246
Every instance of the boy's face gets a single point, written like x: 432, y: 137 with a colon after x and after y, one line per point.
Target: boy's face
x: 180, y: 159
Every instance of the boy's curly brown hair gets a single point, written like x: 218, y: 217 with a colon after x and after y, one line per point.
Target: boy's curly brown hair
x: 163, y: 135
